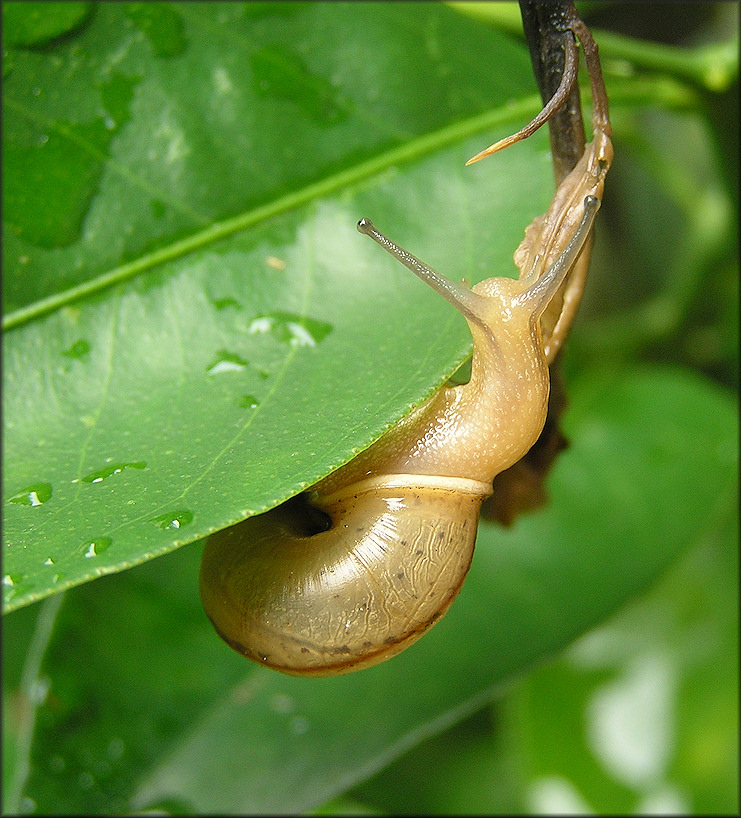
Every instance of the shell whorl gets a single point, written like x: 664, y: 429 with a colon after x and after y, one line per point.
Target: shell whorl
x: 349, y: 597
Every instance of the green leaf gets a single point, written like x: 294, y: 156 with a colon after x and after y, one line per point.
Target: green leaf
x: 654, y: 692
x: 144, y: 707
x: 195, y: 330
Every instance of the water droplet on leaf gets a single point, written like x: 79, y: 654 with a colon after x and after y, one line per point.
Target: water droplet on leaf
x: 174, y: 519
x: 96, y: 547
x: 86, y: 781
x: 78, y: 350
x: 280, y: 72
x: 299, y: 725
x: 275, y: 262
x: 227, y: 362
x: 34, y: 495
x: 57, y: 764
x: 289, y: 328
x: 116, y: 468
x: 223, y: 303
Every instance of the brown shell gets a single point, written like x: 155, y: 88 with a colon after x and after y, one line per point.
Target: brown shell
x: 349, y: 597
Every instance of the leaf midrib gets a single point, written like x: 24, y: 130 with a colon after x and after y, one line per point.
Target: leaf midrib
x: 401, y: 155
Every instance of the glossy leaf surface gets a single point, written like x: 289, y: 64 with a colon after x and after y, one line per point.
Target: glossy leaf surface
x: 182, y: 185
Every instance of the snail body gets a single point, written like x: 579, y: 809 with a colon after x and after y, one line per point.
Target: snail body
x: 358, y: 568
x: 400, y: 519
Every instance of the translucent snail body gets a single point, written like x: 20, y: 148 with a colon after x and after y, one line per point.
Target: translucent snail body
x: 357, y: 569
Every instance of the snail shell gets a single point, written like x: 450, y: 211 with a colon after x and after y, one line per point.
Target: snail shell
x: 392, y: 564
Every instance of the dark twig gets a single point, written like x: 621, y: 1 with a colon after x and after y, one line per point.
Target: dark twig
x: 548, y: 27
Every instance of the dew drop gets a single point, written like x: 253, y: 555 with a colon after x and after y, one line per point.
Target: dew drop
x: 96, y: 547
x: 292, y: 329
x: 12, y: 579
x: 226, y: 362
x: 248, y: 402
x: 299, y: 725
x: 281, y: 703
x: 86, y: 781
x: 27, y: 805
x: 174, y: 519
x: 275, y: 262
x: 36, y: 91
x: 17, y: 591
x: 115, y: 468
x: 161, y: 25
x: 40, y: 690
x: 159, y: 208
x: 42, y: 139
x: 116, y: 748
x: 34, y: 495
x: 48, y: 561
x: 281, y: 73
x: 260, y: 325
x: 57, y: 764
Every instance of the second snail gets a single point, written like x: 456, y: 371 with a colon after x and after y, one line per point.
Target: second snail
x: 355, y: 570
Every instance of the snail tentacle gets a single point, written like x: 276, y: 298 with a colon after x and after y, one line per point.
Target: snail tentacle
x: 458, y: 295
x: 547, y: 285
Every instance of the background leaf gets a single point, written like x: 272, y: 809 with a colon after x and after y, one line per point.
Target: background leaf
x: 229, y: 727
x: 35, y: 24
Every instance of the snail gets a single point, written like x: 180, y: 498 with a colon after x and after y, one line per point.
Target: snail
x: 353, y: 571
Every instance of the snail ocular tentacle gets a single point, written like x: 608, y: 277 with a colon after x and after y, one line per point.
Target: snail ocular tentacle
x: 462, y: 298
x: 546, y: 286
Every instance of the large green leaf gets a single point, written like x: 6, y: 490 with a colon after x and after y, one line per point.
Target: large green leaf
x: 194, y: 329
x: 142, y: 706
